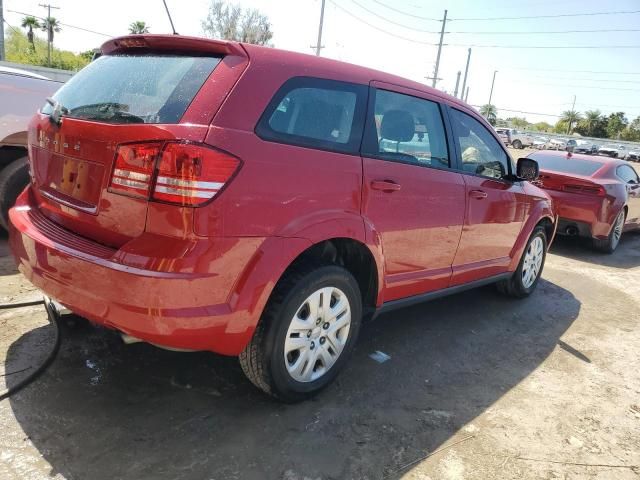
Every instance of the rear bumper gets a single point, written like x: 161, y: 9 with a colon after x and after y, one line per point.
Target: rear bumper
x: 588, y: 214
x: 191, y: 307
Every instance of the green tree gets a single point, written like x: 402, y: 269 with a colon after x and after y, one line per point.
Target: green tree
x: 138, y: 27
x: 232, y: 22
x: 51, y: 25
x: 542, y: 127
x: 30, y: 23
x: 489, y: 112
x: 589, y: 123
x: 632, y: 132
x: 570, y: 117
x: 616, y: 123
x: 518, y: 122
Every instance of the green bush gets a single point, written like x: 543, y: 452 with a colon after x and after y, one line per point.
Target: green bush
x: 19, y: 50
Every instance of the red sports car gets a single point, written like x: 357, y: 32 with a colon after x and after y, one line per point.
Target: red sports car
x: 595, y: 197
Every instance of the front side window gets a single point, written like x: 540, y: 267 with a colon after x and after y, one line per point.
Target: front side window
x: 627, y: 174
x: 481, y: 153
x: 407, y: 129
x: 315, y: 113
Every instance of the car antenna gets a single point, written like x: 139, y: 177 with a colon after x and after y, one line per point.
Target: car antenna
x: 169, y: 15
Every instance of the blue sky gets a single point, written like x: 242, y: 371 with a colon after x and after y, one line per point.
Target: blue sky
x: 528, y: 79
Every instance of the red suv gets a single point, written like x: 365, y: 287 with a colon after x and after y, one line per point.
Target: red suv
x: 206, y: 195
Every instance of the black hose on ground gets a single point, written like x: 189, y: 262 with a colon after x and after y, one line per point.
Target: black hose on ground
x: 53, y: 319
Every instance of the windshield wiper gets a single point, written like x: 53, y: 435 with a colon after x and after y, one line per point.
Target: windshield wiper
x: 57, y: 111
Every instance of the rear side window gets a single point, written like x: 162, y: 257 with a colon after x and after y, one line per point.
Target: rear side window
x: 407, y: 129
x: 316, y: 113
x: 134, y: 88
x: 627, y: 174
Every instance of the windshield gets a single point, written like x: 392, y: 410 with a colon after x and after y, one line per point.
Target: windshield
x: 566, y: 165
x: 134, y: 88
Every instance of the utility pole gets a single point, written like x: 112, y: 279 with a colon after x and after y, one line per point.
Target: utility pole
x: 455, y: 93
x: 318, y: 45
x: 466, y: 96
x: 573, y: 107
x: 48, y: 6
x: 492, y: 83
x: 1, y: 32
x: 466, y: 71
x: 437, y: 67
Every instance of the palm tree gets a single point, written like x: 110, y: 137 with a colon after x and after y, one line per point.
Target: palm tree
x: 591, y: 118
x: 50, y: 25
x: 138, y: 27
x: 489, y: 112
x: 570, y: 117
x: 30, y: 23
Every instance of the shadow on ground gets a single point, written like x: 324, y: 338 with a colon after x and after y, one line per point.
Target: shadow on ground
x: 105, y: 410
x: 627, y: 255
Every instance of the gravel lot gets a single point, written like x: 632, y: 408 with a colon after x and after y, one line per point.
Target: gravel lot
x: 478, y: 386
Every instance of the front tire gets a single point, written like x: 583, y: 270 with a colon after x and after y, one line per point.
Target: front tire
x: 525, y: 279
x: 306, y: 334
x: 13, y: 178
x: 517, y: 144
x: 609, y: 244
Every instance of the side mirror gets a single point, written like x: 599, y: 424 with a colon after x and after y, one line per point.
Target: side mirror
x: 527, y: 169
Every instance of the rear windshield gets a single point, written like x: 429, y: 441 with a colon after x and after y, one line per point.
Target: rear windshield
x: 567, y: 165
x: 134, y: 88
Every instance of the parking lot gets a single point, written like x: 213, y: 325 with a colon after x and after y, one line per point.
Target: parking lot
x: 477, y: 386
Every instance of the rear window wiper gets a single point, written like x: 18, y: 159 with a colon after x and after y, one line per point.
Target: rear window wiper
x: 57, y: 111
x: 106, y: 111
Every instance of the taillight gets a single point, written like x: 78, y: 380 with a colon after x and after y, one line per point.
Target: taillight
x: 180, y: 173
x: 190, y: 174
x: 585, y: 189
x: 134, y: 169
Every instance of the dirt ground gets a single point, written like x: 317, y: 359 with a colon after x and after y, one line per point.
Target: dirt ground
x: 478, y: 386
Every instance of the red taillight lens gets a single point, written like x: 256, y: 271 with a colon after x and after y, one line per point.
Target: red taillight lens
x: 134, y: 169
x: 191, y: 174
x: 179, y: 173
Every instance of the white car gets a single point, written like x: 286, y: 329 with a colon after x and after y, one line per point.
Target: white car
x: 633, y: 154
x: 613, y: 150
x: 517, y: 138
x: 22, y: 93
x: 557, y: 144
x: 540, y: 142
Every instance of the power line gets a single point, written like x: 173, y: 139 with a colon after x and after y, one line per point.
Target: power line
x: 534, y: 47
x: 398, y: 24
x: 519, y: 111
x: 587, y: 79
x: 554, y: 32
x: 588, y: 47
x: 354, y: 16
x: 405, y: 13
x: 10, y: 26
x: 582, y: 86
x: 588, y: 14
x: 63, y: 24
x: 608, y: 72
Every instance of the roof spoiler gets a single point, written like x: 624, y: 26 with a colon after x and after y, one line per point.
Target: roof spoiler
x: 170, y: 43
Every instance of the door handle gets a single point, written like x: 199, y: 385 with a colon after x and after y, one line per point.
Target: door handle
x: 478, y: 194
x: 385, y: 185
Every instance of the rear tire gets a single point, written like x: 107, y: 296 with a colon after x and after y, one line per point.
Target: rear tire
x: 517, y: 144
x: 291, y: 359
x: 525, y: 279
x: 609, y: 244
x: 13, y: 179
